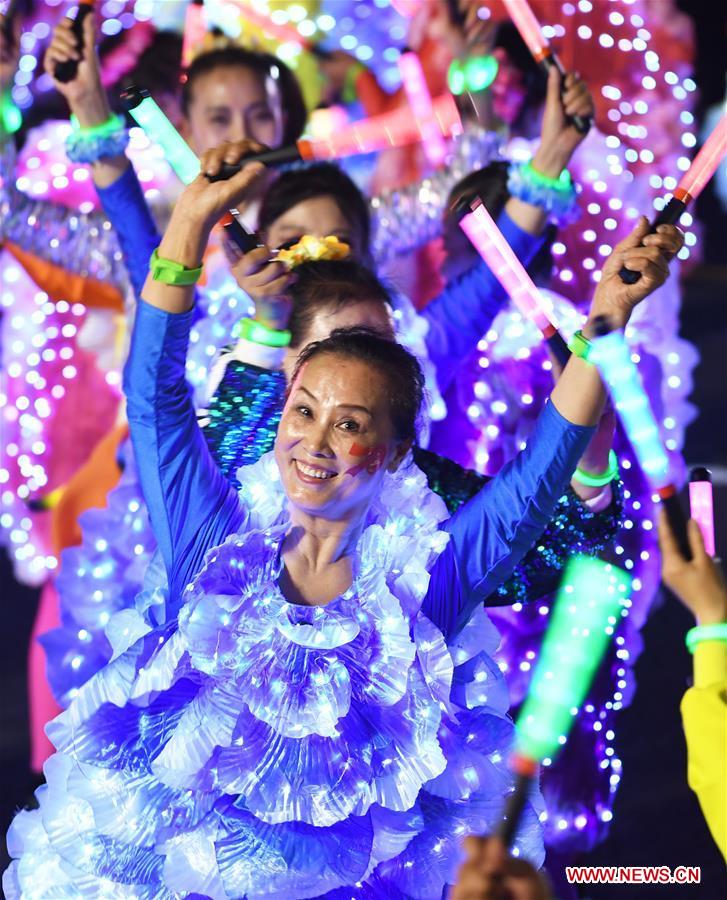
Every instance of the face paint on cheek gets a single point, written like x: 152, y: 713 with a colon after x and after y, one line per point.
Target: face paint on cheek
x: 372, y: 459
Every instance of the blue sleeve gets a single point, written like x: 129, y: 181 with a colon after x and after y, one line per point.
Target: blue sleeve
x: 191, y: 505
x: 127, y: 210
x: 464, y: 311
x: 491, y: 533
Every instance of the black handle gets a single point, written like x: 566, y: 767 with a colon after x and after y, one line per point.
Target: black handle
x: 244, y: 239
x: 582, y: 124
x: 67, y: 71
x: 507, y: 829
x: 558, y: 347
x: 699, y: 473
x: 279, y: 157
x: 677, y: 523
x: 132, y: 96
x: 670, y: 215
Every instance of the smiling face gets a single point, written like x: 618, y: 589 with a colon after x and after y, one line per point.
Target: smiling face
x: 232, y: 103
x: 336, y: 438
x: 319, y: 216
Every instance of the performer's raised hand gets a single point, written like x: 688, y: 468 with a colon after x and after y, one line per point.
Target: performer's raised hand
x: 85, y: 93
x: 648, y: 254
x: 558, y: 137
x: 265, y: 282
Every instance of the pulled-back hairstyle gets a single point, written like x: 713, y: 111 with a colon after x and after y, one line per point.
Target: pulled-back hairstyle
x: 266, y: 66
x: 403, y: 374
x: 331, y: 284
x: 318, y: 180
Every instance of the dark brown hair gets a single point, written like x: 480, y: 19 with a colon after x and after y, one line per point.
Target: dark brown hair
x: 403, y: 373
x: 329, y: 285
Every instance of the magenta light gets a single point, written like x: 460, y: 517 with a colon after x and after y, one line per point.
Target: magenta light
x: 701, y: 509
x: 487, y: 239
x: 529, y: 27
x: 704, y: 164
x: 420, y: 101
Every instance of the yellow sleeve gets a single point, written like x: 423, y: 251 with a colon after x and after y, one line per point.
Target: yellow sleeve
x: 704, y: 716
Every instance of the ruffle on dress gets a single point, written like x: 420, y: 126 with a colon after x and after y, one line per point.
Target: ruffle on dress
x: 257, y: 748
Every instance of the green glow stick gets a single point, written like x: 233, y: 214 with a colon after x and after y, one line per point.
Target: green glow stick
x: 147, y: 113
x: 586, y: 612
x: 584, y: 618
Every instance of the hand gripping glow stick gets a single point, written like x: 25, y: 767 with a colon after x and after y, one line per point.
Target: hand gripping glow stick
x: 701, y: 505
x: 66, y: 71
x: 147, y: 113
x: 690, y: 187
x: 487, y: 239
x: 584, y: 616
x: 530, y: 31
x: 392, y: 129
x: 420, y: 101
x: 612, y: 355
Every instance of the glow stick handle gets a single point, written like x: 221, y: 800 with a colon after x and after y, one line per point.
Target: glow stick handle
x: 690, y: 187
x: 530, y: 31
x: 701, y: 505
x: 525, y: 771
x: 488, y: 240
x: 66, y: 71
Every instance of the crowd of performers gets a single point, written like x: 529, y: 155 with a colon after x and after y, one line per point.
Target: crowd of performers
x: 295, y: 582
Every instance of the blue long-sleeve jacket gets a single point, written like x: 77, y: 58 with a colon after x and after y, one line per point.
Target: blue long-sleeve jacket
x: 457, y: 317
x: 193, y: 507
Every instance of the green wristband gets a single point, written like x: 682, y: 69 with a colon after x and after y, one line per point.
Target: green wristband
x: 10, y: 116
x: 589, y: 479
x: 701, y: 633
x: 561, y: 183
x: 169, y: 272
x: 250, y: 330
x: 580, y: 346
x: 113, y: 124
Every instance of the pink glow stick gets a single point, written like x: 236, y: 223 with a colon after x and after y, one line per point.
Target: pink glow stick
x: 704, y: 164
x: 195, y: 30
x: 529, y: 28
x: 701, y: 505
x: 420, y: 101
x: 392, y: 129
x: 487, y: 239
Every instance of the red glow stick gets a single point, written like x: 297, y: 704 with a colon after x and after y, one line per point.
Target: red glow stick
x: 524, y: 20
x: 701, y: 505
x: 704, y: 164
x: 690, y: 187
x: 487, y: 239
x: 420, y: 101
x: 392, y: 129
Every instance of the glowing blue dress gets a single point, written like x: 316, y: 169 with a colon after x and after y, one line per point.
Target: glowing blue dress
x: 242, y: 746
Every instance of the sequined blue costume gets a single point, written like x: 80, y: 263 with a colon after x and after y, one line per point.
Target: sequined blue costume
x: 249, y: 747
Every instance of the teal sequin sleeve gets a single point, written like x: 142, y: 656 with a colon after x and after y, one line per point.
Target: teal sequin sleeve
x: 243, y: 416
x: 573, y: 529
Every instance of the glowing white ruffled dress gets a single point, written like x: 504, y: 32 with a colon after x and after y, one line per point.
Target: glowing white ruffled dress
x: 256, y: 748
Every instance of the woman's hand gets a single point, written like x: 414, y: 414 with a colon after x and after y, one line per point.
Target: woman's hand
x: 558, y: 137
x: 697, y: 582
x: 85, y: 94
x: 203, y: 202
x: 489, y: 873
x: 265, y: 282
x: 641, y: 252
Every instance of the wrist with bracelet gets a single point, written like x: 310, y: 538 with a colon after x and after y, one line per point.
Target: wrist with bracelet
x: 701, y: 633
x: 167, y: 271
x: 599, y: 479
x: 557, y: 196
x: 257, y: 333
x: 89, y: 144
